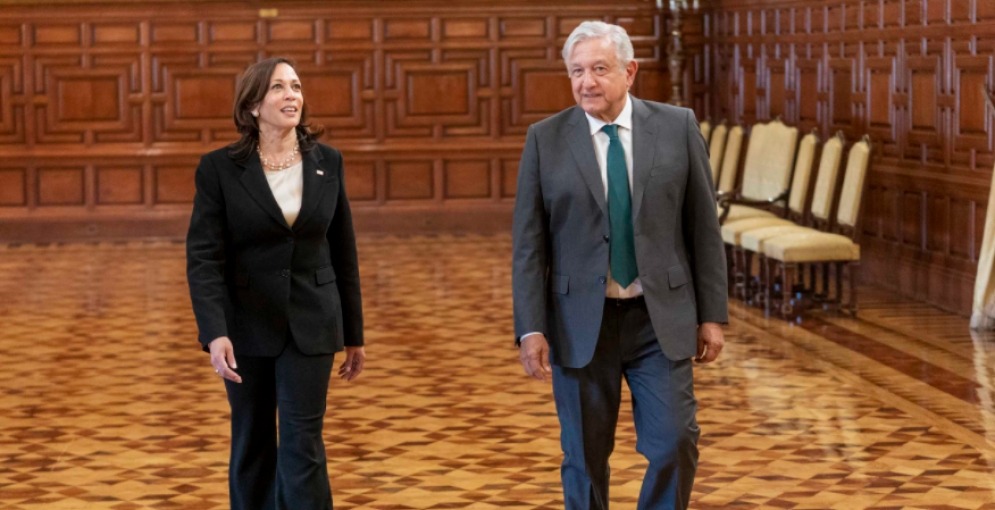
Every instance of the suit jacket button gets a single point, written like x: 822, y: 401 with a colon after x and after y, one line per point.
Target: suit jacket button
x: 290, y: 240
x: 285, y: 273
x: 603, y: 279
x: 605, y: 238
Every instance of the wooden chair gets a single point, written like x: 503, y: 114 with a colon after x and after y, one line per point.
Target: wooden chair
x: 742, y: 260
x: 751, y: 240
x: 810, y: 246
x: 766, y: 173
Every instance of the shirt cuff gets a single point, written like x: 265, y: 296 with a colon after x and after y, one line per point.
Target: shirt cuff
x: 518, y: 343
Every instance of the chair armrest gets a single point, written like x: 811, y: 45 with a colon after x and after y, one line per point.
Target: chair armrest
x: 725, y: 195
x: 761, y: 204
x: 726, y: 204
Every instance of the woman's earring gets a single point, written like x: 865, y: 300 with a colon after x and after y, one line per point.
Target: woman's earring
x: 255, y: 113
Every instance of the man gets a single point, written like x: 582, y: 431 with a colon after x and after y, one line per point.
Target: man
x: 618, y: 271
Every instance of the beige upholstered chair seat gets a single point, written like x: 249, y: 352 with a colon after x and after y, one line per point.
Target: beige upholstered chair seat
x: 812, y: 246
x: 754, y: 240
x: 742, y: 212
x: 733, y: 231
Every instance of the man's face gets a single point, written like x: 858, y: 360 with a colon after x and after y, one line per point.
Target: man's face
x: 600, y: 84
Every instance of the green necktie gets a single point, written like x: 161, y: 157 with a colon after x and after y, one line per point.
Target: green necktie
x: 622, y: 248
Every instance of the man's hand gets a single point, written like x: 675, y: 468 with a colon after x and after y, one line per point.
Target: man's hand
x: 223, y: 359
x: 355, y: 358
x: 710, y: 342
x: 534, y: 355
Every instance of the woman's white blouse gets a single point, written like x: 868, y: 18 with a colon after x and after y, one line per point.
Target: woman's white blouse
x: 288, y: 188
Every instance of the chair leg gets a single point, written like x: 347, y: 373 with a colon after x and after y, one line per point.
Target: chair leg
x: 853, y: 267
x: 839, y: 287
x: 766, y: 282
x: 730, y: 270
x: 811, y: 280
x: 747, y: 275
x: 737, y: 270
x: 787, y: 283
x: 824, y: 291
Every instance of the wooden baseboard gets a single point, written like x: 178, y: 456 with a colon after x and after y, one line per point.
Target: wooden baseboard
x: 918, y: 276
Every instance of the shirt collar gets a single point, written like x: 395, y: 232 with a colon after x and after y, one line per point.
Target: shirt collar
x: 623, y: 120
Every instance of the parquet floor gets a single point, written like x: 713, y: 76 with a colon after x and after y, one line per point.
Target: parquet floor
x: 109, y: 404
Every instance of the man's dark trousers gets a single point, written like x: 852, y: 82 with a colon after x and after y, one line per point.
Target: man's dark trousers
x: 664, y: 406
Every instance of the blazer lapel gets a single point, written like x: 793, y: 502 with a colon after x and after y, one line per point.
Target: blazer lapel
x: 254, y: 181
x: 313, y: 186
x: 644, y: 145
x: 582, y: 149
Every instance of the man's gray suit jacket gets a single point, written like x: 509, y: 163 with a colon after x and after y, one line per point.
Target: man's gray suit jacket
x: 561, y: 229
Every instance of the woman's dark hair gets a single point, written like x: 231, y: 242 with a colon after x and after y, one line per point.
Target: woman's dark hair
x: 249, y: 93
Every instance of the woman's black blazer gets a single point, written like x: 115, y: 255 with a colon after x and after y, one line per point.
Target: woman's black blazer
x: 253, y: 278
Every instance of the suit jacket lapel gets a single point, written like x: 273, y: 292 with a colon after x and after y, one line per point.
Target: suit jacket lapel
x: 313, y: 186
x: 254, y: 181
x: 644, y: 145
x: 582, y: 149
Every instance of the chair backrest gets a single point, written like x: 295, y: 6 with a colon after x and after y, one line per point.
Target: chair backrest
x: 706, y: 130
x: 715, y: 148
x: 803, y: 173
x: 825, y: 183
x: 853, y: 184
x: 730, y: 160
x: 754, y: 150
x: 767, y: 173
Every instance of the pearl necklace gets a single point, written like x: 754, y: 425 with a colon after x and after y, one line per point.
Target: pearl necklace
x: 279, y: 166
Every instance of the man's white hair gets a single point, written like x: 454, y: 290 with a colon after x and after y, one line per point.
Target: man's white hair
x: 596, y: 30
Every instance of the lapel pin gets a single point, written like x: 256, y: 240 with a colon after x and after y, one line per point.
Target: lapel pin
x: 321, y: 172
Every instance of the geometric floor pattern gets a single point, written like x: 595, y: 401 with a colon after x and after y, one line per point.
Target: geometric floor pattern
x: 108, y: 402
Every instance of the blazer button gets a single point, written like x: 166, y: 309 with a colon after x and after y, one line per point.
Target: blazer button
x: 602, y: 279
x: 285, y: 273
x: 290, y: 240
x: 605, y: 238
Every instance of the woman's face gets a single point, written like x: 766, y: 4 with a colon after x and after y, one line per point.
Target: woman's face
x: 281, y: 107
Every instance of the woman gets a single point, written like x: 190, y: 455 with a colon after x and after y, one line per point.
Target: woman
x: 274, y: 281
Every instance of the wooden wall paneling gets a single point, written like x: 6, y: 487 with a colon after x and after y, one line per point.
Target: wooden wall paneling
x: 879, y: 77
x: 119, y: 185
x: 410, y: 180
x: 972, y: 128
x: 12, y: 93
x: 809, y: 95
x: 174, y: 184
x: 60, y: 186
x: 429, y: 103
x: 13, y: 187
x: 361, y: 180
x: 777, y: 91
x: 924, y: 122
x: 467, y: 178
x: 841, y: 106
x: 509, y: 177
x: 747, y: 80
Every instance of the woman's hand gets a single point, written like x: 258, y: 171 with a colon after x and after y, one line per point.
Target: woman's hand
x: 355, y: 358
x: 223, y: 359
